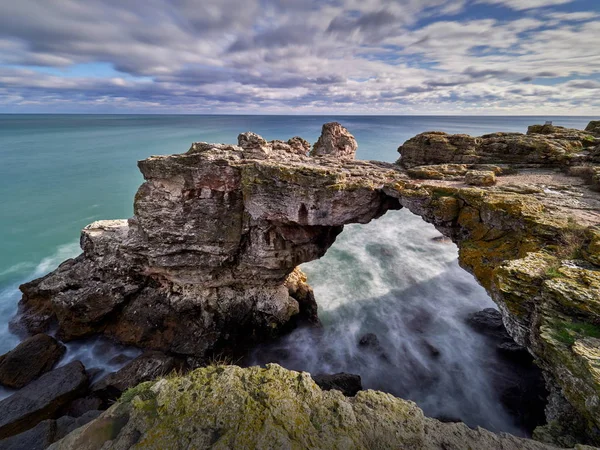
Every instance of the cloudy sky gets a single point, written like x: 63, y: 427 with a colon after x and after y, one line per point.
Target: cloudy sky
x: 301, y: 56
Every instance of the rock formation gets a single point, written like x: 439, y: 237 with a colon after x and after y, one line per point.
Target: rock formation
x: 336, y: 142
x: 208, y: 261
x: 272, y: 408
x: 30, y: 359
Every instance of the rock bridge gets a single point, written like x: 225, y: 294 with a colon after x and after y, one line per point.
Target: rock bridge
x: 209, y: 260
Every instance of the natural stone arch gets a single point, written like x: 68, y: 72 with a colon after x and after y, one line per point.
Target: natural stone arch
x: 209, y: 258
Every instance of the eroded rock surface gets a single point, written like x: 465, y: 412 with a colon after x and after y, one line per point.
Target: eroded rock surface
x: 207, y: 262
x: 232, y: 408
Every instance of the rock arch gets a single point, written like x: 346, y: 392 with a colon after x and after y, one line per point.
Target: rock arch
x: 209, y: 259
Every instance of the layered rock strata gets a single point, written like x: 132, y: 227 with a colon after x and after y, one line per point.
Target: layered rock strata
x: 208, y: 260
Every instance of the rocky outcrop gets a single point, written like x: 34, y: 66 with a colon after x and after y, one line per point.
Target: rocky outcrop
x: 335, y: 141
x: 42, y: 399
x: 31, y: 358
x: 207, y: 262
x: 535, y: 149
x: 232, y: 408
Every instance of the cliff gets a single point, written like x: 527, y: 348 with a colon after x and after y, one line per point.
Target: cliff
x: 208, y: 262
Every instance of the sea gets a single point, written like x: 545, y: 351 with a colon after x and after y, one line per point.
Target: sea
x: 391, y: 277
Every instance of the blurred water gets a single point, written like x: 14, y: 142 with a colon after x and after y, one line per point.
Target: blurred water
x: 393, y: 278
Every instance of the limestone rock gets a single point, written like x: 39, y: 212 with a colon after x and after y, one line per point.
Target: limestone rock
x: 539, y: 150
x: 41, y: 399
x: 335, y: 141
x: 272, y: 408
x: 480, y: 178
x: 28, y: 360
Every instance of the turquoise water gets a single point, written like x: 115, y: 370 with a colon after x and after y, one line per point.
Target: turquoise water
x: 59, y: 173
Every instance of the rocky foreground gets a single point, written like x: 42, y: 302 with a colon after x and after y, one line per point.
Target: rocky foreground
x: 208, y: 265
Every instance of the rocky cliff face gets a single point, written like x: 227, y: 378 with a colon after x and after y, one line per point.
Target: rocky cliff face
x: 208, y: 261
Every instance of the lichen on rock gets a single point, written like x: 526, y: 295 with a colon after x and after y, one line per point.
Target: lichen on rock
x: 226, y: 407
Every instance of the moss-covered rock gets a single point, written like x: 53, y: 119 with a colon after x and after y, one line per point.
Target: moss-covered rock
x: 228, y: 407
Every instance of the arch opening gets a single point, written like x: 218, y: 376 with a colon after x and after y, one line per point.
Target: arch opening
x: 398, y: 310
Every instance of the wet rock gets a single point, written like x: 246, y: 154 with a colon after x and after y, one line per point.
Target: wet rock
x: 46, y: 432
x: 37, y: 438
x: 30, y: 359
x: 488, y: 322
x: 480, y: 178
x: 81, y: 406
x: 369, y: 340
x: 66, y: 424
x: 145, y: 367
x: 347, y: 383
x: 335, y: 141
x: 42, y: 398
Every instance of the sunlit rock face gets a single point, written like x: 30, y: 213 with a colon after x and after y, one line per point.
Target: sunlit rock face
x: 204, y: 265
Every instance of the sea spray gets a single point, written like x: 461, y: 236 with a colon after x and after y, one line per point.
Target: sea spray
x: 393, y: 302
x: 95, y: 353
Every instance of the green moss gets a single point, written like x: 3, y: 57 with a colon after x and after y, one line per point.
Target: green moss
x: 569, y: 332
x: 142, y: 390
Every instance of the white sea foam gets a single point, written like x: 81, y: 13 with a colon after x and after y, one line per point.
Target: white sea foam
x: 391, y: 278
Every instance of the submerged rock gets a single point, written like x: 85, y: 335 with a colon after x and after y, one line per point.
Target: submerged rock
x: 272, y: 408
x: 28, y: 360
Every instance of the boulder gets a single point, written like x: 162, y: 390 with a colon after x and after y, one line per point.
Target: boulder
x: 30, y: 359
x: 46, y: 432
x: 347, y: 383
x: 37, y: 438
x: 480, y: 178
x: 145, y: 367
x: 335, y: 141
x: 42, y: 399
x: 271, y: 408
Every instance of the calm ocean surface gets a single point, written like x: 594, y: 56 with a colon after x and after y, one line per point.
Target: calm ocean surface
x: 59, y: 173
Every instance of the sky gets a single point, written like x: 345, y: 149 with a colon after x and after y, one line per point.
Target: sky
x: 300, y: 56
